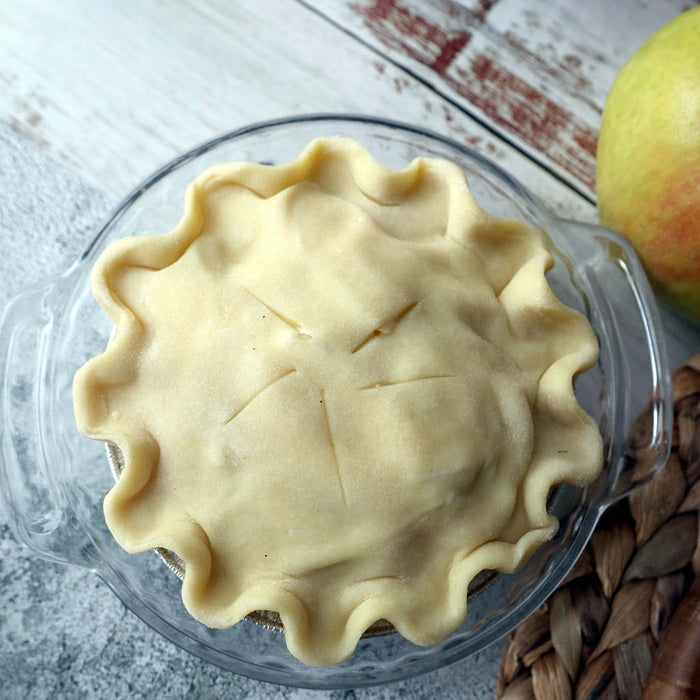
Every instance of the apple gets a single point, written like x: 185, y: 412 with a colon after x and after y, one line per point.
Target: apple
x: 648, y: 161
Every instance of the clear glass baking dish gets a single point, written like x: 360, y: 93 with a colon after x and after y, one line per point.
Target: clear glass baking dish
x: 53, y: 480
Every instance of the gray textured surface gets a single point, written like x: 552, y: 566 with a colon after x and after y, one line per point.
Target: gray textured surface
x: 62, y: 631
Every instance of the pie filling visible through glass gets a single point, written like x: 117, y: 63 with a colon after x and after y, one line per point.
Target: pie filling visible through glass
x: 340, y: 391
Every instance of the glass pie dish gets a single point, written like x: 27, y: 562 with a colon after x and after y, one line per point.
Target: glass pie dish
x: 54, y: 480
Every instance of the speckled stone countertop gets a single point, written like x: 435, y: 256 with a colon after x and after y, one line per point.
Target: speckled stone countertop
x: 63, y: 633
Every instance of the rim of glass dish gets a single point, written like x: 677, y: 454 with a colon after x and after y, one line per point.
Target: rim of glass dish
x: 208, y: 145
x: 497, y: 626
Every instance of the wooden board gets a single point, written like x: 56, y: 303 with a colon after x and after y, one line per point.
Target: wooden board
x: 536, y: 71
x: 123, y: 87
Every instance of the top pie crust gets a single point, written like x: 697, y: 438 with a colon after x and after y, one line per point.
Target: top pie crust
x: 341, y: 392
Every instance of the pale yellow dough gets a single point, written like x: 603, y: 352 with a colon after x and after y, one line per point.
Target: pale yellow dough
x: 341, y: 392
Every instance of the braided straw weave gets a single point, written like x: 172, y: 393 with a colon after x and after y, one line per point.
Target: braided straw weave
x: 598, y: 634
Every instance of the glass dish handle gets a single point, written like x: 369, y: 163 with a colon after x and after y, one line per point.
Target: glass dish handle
x: 40, y: 513
x: 636, y: 400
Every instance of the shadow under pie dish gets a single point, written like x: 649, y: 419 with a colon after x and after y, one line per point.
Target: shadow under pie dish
x: 386, y: 658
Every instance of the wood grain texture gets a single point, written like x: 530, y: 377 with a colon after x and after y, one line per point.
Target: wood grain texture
x: 676, y: 671
x: 123, y: 87
x: 537, y: 71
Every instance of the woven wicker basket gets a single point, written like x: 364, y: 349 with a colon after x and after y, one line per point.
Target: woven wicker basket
x: 598, y: 635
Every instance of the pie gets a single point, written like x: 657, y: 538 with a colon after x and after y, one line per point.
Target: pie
x: 341, y: 392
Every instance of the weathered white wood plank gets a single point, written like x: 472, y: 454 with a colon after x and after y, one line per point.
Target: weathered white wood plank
x: 538, y: 71
x: 121, y: 87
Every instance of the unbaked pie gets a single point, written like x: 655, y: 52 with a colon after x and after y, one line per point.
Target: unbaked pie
x: 340, y: 392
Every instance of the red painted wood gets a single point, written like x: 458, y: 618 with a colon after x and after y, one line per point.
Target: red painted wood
x: 535, y: 71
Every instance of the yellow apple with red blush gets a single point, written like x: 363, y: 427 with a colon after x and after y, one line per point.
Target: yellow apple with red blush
x: 648, y: 161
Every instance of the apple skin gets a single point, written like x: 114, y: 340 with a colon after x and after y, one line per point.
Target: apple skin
x: 648, y: 161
